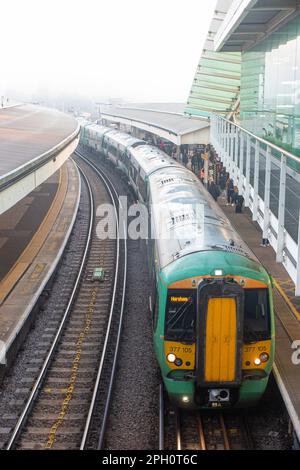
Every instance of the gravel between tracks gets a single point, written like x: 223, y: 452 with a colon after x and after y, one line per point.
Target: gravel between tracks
x: 133, y: 422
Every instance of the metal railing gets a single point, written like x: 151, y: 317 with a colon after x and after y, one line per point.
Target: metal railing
x: 269, y: 179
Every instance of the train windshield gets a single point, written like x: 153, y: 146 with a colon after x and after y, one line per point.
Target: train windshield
x: 257, y: 315
x: 181, y: 316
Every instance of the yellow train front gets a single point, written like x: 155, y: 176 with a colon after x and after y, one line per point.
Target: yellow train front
x: 214, y: 336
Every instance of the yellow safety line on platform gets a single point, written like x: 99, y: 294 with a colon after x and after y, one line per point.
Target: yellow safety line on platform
x: 287, y: 300
x: 74, y: 370
x: 33, y: 247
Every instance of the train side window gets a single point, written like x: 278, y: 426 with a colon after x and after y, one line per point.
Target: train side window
x: 181, y: 316
x: 257, y: 315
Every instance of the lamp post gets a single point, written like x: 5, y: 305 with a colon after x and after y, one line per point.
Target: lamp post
x: 99, y: 104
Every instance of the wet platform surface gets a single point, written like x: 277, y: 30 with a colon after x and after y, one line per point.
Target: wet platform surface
x: 27, y: 131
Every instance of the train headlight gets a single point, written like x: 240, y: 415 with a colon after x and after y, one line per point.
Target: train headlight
x: 218, y: 272
x: 185, y: 399
x: 264, y: 357
x: 257, y: 361
x: 171, y: 358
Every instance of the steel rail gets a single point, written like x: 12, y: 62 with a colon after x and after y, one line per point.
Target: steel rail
x: 178, y: 430
x: 114, y: 196
x: 224, y: 431
x: 202, y: 440
x: 46, y: 365
x: 161, y: 418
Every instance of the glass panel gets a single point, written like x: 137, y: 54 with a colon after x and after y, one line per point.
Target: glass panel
x: 270, y: 84
x: 275, y: 186
x: 292, y: 205
x: 262, y: 174
x: 216, y: 84
x: 252, y: 162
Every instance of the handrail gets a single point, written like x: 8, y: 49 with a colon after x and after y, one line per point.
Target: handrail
x: 260, y: 139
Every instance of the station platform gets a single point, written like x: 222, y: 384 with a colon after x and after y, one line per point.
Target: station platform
x: 39, y: 232
x: 287, y: 310
x: 34, y: 143
x: 27, y: 132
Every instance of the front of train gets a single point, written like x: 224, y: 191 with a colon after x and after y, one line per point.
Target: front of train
x: 214, y: 336
x: 214, y: 328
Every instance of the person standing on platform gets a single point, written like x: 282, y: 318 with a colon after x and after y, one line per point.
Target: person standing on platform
x: 185, y: 159
x: 234, y: 196
x: 214, y: 190
x: 198, y: 157
x: 229, y: 189
x: 194, y: 163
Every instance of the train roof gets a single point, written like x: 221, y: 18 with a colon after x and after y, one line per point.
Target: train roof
x: 124, y: 139
x: 151, y: 159
x: 186, y: 218
x: 97, y: 128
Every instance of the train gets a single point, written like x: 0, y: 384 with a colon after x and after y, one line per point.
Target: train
x: 211, y: 301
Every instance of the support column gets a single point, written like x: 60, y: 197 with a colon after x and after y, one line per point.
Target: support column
x: 228, y: 144
x: 222, y: 137
x: 281, y: 210
x: 241, y: 166
x: 224, y: 142
x: 267, y: 193
x: 236, y: 156
x: 247, y: 191
x: 256, y: 182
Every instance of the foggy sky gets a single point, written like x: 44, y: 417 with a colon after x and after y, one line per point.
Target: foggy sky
x: 137, y: 50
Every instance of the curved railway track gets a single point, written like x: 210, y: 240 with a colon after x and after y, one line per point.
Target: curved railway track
x: 69, y: 402
x: 202, y: 430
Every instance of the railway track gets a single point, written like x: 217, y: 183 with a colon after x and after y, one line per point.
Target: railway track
x: 202, y: 430
x: 69, y: 402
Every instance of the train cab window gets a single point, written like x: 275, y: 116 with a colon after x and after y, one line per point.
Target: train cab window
x: 181, y: 316
x: 257, y: 315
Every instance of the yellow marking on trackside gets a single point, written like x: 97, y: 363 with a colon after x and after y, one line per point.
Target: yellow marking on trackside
x: 69, y: 391
x: 290, y: 304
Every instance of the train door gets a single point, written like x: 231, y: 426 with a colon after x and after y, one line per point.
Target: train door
x: 219, y: 339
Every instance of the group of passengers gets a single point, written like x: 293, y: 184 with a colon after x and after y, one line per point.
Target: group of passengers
x: 233, y: 196
x: 220, y: 182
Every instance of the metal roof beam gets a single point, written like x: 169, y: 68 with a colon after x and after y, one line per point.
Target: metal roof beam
x: 273, y: 5
x: 239, y: 20
x: 250, y: 28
